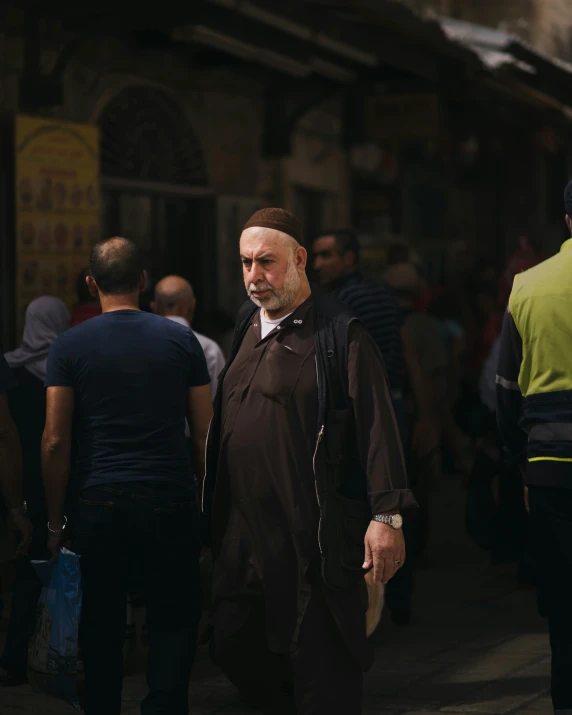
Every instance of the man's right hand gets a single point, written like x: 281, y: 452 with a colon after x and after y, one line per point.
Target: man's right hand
x: 384, y: 551
x: 23, y: 526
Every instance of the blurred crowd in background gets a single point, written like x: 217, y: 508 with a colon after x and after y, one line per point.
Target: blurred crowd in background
x: 453, y: 331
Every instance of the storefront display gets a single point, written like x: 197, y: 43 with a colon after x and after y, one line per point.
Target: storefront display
x: 57, y: 206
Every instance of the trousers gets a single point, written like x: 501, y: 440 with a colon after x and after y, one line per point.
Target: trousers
x: 144, y: 536
x: 318, y: 678
x: 551, y: 538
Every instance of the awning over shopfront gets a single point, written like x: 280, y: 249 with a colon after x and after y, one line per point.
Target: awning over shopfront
x: 424, y: 44
x: 511, y: 59
x: 492, y: 46
x: 319, y: 47
x: 335, y: 41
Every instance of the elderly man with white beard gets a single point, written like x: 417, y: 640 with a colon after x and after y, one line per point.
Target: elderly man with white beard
x: 304, y: 489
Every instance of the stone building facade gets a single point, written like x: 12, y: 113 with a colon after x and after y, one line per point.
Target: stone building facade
x: 122, y: 87
x: 190, y: 146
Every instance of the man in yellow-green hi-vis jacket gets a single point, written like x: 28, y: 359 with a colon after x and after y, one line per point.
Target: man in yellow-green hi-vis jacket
x: 534, y: 411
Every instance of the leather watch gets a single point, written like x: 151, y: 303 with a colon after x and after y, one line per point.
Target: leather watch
x: 393, y: 520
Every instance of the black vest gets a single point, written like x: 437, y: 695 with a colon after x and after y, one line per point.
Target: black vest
x: 341, y: 488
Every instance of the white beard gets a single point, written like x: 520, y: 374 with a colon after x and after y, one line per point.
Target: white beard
x: 278, y: 299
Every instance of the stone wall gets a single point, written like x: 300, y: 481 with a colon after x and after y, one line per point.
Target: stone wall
x: 224, y: 108
x: 553, y: 32
x: 319, y: 164
x: 225, y: 111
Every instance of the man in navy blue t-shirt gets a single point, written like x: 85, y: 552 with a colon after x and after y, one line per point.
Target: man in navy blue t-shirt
x: 123, y: 384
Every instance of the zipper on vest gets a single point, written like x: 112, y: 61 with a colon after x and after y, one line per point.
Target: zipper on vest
x: 318, y: 440
x: 320, y: 435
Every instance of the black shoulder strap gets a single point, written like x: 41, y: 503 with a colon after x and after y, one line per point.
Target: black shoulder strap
x: 337, y: 355
x: 332, y: 329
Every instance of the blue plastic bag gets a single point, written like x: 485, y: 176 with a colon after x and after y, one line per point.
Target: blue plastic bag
x: 54, y: 666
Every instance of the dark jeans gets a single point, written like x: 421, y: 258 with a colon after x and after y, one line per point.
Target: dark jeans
x: 142, y: 535
x: 25, y: 594
x: 551, y: 538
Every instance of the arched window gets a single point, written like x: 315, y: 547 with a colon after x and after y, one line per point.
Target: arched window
x: 146, y: 137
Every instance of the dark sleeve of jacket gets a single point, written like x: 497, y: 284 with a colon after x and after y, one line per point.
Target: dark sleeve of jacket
x: 509, y: 397
x: 379, y: 445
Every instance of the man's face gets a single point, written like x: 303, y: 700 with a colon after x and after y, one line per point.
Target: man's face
x: 329, y: 265
x: 272, y: 267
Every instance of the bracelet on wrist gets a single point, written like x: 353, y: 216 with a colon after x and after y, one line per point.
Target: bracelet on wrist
x: 57, y: 532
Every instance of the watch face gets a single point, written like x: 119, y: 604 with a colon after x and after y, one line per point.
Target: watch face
x: 397, y: 521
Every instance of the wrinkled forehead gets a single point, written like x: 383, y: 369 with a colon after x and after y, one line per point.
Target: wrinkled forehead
x: 258, y: 241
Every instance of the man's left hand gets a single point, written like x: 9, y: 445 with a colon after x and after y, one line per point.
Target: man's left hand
x: 384, y: 550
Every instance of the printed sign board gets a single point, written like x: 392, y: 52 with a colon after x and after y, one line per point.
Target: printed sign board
x: 57, y: 207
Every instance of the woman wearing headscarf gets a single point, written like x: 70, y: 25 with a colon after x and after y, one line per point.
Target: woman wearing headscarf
x: 46, y: 319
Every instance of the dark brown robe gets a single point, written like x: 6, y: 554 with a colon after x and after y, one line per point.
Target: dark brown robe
x: 265, y: 504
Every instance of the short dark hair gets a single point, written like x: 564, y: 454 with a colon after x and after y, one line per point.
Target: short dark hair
x: 115, y: 265
x: 568, y: 199
x: 346, y: 241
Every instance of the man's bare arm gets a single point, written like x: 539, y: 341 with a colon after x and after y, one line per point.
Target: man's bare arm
x: 199, y: 415
x: 56, y: 451
x: 11, y: 480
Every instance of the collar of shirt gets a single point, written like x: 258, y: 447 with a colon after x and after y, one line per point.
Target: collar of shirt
x: 566, y: 245
x: 294, y: 320
x: 178, y: 319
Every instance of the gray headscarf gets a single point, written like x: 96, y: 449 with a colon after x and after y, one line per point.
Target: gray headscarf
x: 46, y: 319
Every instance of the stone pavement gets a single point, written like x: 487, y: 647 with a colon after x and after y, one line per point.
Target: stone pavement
x: 477, y: 645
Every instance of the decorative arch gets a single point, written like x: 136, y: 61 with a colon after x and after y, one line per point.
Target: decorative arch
x: 146, y: 136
